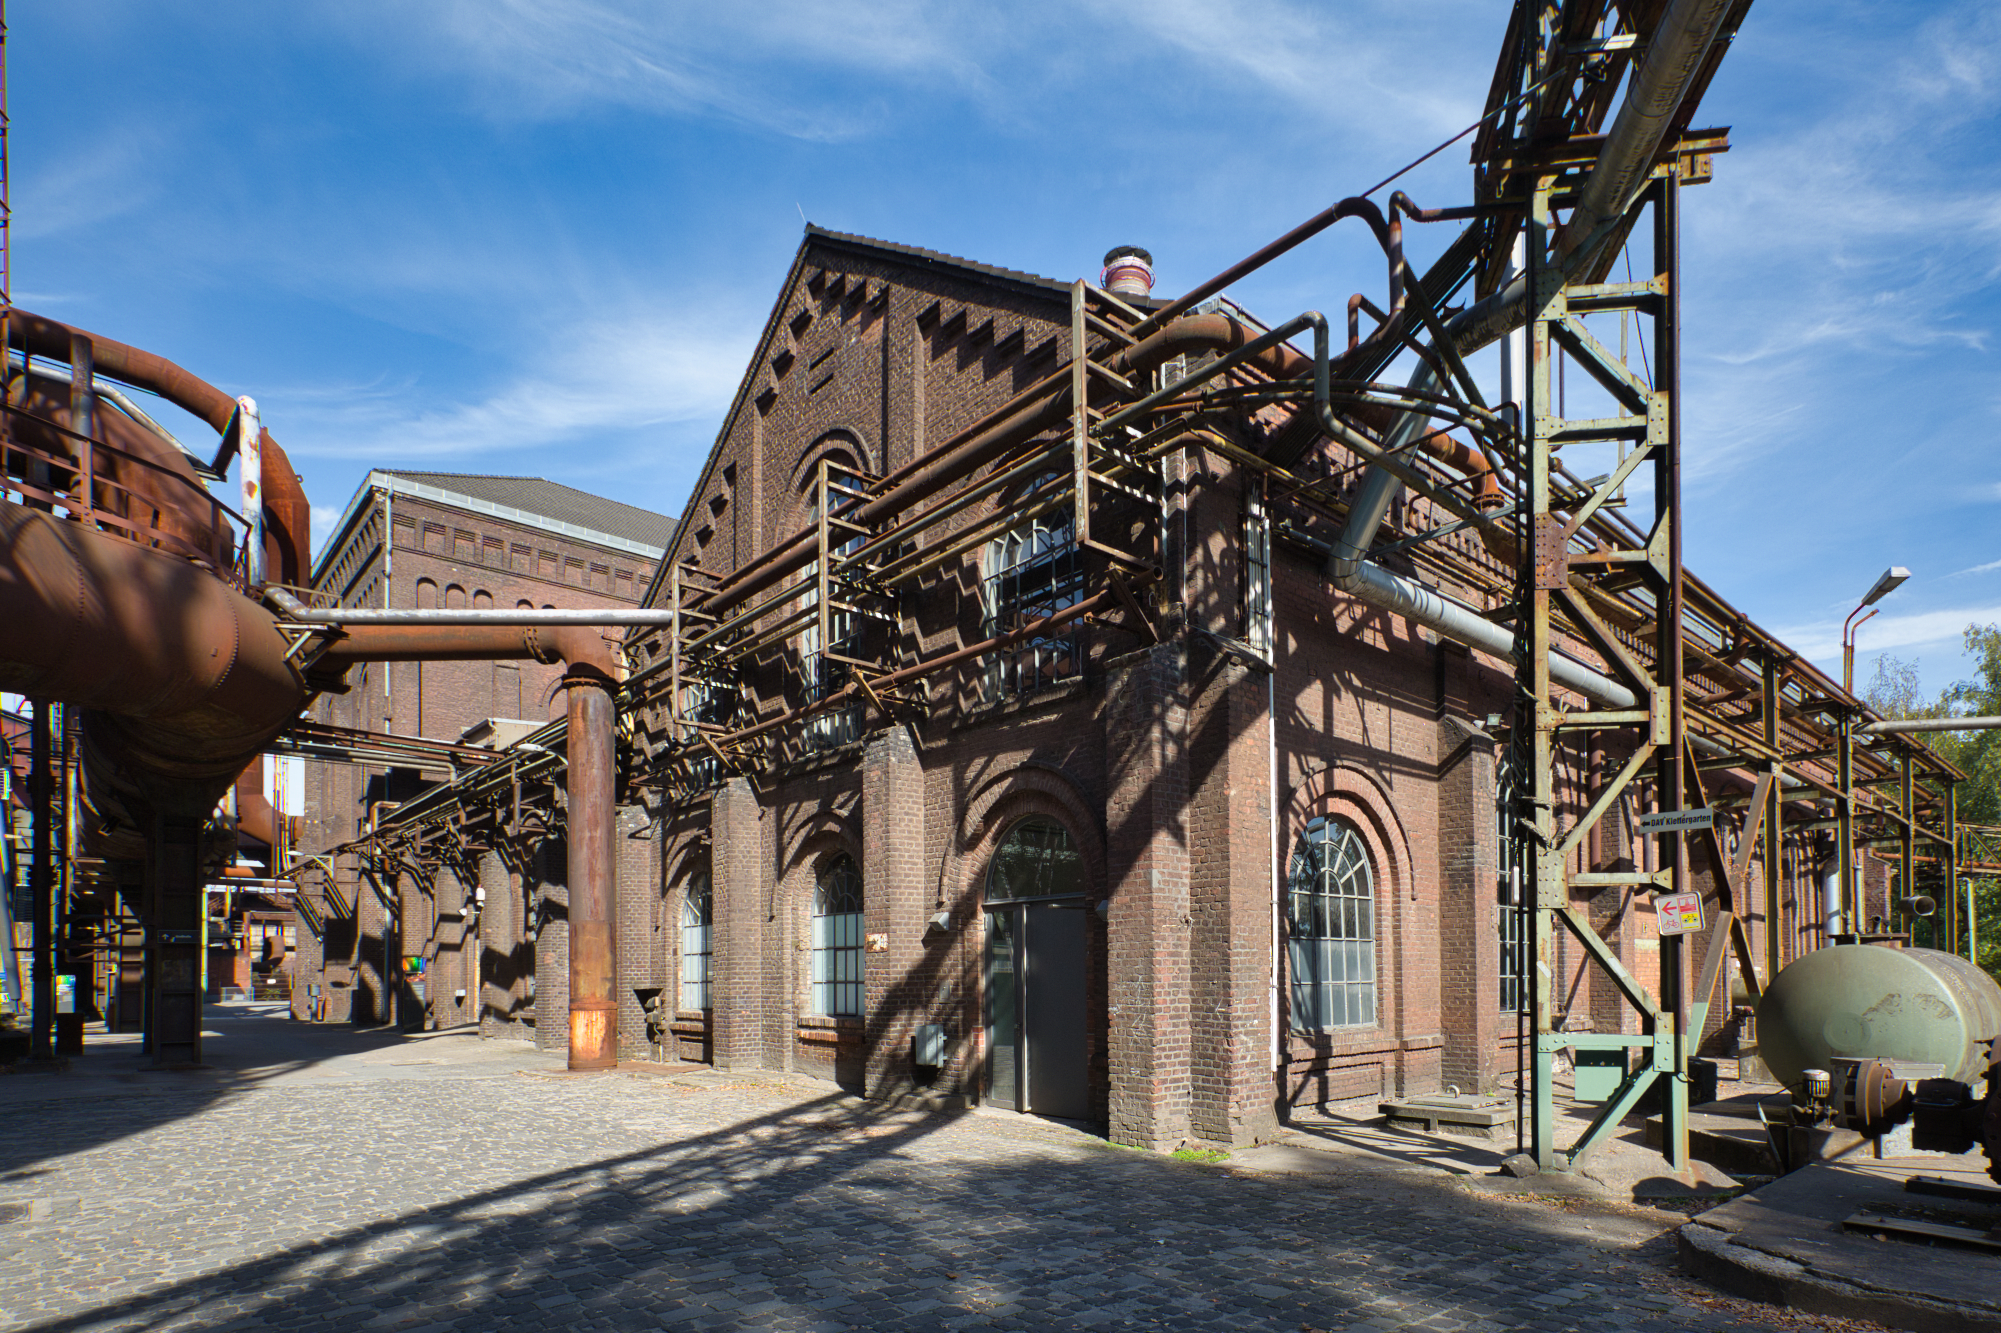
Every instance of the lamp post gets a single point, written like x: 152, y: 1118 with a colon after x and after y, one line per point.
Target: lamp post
x: 1893, y: 577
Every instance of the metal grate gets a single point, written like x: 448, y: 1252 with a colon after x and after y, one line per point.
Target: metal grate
x: 1033, y: 572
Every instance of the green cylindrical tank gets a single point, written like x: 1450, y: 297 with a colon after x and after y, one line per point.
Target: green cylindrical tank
x: 1867, y: 1001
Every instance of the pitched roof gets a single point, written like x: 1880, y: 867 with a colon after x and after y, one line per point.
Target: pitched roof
x: 847, y: 240
x: 551, y: 499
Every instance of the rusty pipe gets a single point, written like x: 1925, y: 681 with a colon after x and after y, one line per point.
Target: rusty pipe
x: 289, y: 530
x: 590, y: 783
x: 581, y: 647
x: 590, y: 779
x: 183, y: 680
x: 1469, y: 463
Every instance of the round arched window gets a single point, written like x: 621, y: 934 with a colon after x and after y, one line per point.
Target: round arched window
x: 1331, y: 929
x: 1036, y: 859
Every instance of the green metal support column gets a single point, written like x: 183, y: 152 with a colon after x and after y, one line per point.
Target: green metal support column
x: 1558, y: 599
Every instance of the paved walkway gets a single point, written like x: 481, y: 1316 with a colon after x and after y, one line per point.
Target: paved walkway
x: 326, y: 1179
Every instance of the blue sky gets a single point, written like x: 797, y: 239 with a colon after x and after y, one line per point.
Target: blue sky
x: 541, y: 237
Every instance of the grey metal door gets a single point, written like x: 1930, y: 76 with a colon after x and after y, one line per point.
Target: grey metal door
x: 1053, y: 1010
x: 1037, y: 1057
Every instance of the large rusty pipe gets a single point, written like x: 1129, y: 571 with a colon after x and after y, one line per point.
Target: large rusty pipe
x: 593, y: 884
x: 182, y: 679
x: 590, y: 780
x: 582, y: 647
x: 285, y: 503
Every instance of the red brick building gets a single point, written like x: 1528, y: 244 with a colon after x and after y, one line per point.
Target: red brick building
x: 382, y: 947
x: 1224, y: 845
x: 1073, y: 858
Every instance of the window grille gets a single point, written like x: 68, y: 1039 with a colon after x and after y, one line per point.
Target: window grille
x: 822, y: 675
x: 837, y: 940
x: 1032, y: 572
x: 1514, y: 944
x: 697, y: 911
x: 1331, y: 929
x: 707, y: 703
x: 1035, y: 860
x: 1257, y: 575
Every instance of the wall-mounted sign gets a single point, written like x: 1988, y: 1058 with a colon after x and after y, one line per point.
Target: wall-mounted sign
x: 1679, y: 913
x: 1676, y: 821
x: 177, y: 937
x: 878, y: 943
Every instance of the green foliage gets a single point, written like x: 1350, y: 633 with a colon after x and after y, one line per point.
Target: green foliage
x: 1200, y: 1154
x: 1893, y: 691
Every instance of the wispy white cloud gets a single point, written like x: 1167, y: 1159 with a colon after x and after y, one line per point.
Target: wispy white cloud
x: 1889, y: 633
x: 625, y: 376
x: 1989, y: 567
x: 86, y: 186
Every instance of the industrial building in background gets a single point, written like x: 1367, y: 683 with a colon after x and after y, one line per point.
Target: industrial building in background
x: 425, y: 541
x: 1058, y: 697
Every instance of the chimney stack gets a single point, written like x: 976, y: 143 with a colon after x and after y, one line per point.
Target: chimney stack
x: 1128, y: 271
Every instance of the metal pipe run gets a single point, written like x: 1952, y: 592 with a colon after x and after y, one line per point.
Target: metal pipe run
x: 1676, y: 51
x: 298, y: 612
x: 1898, y: 726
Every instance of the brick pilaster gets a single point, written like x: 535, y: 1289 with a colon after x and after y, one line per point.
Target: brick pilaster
x: 740, y: 864
x: 640, y: 957
x: 896, y: 905
x: 1148, y: 945
x: 1469, y: 911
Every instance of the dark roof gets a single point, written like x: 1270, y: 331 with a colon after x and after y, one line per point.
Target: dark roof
x: 923, y: 256
x: 551, y: 499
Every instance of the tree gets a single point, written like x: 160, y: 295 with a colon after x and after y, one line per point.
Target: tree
x: 1894, y: 692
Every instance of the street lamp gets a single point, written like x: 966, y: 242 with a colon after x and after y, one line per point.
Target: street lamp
x: 1893, y: 577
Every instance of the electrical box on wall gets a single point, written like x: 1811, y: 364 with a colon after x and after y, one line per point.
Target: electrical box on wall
x: 927, y: 1046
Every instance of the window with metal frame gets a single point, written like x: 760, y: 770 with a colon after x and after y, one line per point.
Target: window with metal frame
x: 697, y: 911
x: 1514, y: 945
x: 837, y: 940
x: 1257, y: 574
x: 1036, y: 859
x: 820, y: 674
x: 1331, y: 929
x: 1033, y: 571
x: 707, y: 703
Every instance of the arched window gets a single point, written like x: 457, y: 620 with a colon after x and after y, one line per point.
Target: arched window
x: 697, y: 907
x: 837, y: 940
x: 1035, y: 860
x: 1331, y: 929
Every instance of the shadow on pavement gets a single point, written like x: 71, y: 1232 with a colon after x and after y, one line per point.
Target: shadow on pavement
x: 825, y: 1214
x: 112, y: 1091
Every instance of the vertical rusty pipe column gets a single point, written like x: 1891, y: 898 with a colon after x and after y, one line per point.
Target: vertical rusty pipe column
x: 593, y: 884
x: 43, y: 1003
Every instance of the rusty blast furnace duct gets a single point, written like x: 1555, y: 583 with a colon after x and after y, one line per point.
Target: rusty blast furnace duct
x: 116, y: 590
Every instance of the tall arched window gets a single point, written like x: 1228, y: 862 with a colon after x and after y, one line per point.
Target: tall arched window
x: 1331, y: 929
x: 837, y: 940
x: 697, y: 908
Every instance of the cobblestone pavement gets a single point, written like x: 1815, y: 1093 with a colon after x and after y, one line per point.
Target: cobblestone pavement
x: 445, y: 1183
